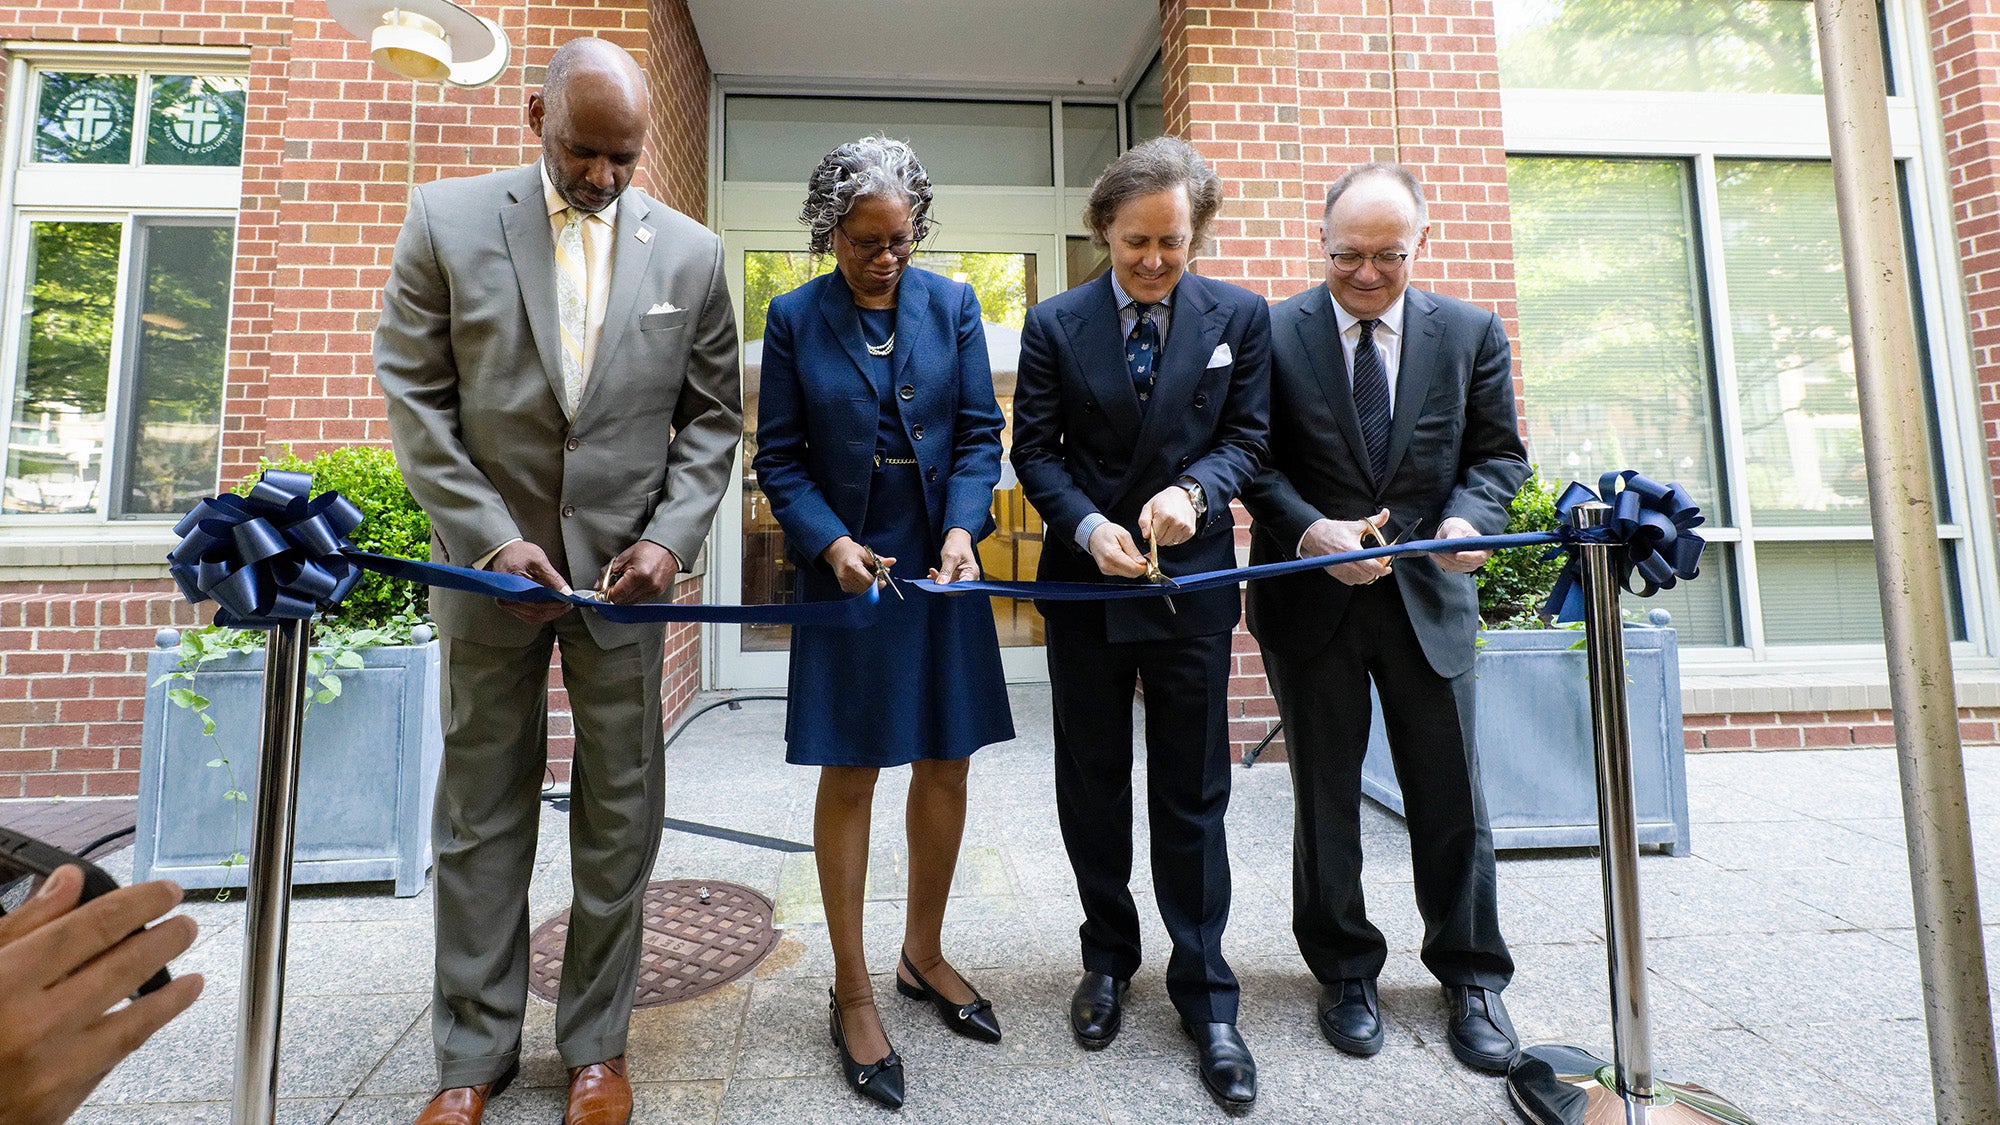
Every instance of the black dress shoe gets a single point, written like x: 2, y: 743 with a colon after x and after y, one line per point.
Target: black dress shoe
x: 881, y: 1080
x: 974, y: 1021
x: 1481, y: 1034
x: 1226, y: 1066
x: 1350, y: 1017
x: 1096, y: 1009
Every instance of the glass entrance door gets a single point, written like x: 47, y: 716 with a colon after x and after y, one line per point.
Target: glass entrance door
x: 1009, y: 275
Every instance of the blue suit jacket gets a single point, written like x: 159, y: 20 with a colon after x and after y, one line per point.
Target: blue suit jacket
x: 818, y: 409
x: 1082, y: 443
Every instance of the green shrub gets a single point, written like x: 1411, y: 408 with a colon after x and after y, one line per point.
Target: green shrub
x: 1514, y: 583
x: 392, y: 524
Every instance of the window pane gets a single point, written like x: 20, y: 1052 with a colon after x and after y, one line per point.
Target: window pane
x: 173, y: 429
x: 1146, y: 110
x: 1614, y: 358
x: 988, y: 143
x: 1090, y: 141
x: 196, y: 120
x: 1794, y: 353
x: 1721, y: 46
x: 85, y: 118
x: 1826, y: 593
x: 55, y: 441
x: 1704, y: 610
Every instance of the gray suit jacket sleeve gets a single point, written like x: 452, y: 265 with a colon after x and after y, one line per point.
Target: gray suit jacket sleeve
x: 708, y: 421
x: 419, y: 378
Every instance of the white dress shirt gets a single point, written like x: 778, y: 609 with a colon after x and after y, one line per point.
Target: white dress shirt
x: 1388, y: 341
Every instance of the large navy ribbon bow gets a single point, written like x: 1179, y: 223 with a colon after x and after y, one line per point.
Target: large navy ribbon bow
x: 267, y: 557
x: 1651, y: 524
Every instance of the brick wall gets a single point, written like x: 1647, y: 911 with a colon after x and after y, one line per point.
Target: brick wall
x: 1965, y: 45
x: 333, y: 146
x: 1819, y: 730
x: 1282, y: 97
x: 73, y: 682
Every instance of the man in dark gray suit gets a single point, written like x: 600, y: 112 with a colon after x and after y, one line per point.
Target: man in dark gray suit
x: 560, y: 363
x: 1392, y: 409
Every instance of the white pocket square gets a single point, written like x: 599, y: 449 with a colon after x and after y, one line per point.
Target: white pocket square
x: 1220, y: 356
x: 667, y: 307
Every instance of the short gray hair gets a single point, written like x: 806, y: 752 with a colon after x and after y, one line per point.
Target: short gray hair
x: 1385, y: 170
x: 1161, y: 164
x: 869, y: 167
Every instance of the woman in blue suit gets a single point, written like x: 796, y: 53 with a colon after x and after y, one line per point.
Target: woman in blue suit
x: 879, y: 439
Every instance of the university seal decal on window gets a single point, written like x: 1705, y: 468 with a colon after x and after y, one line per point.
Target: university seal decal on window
x: 86, y: 118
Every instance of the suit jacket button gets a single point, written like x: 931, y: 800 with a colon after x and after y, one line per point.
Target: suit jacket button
x: 917, y: 432
x: 1090, y: 408
x: 931, y: 475
x: 571, y: 444
x: 906, y: 392
x: 568, y: 510
x: 1200, y: 401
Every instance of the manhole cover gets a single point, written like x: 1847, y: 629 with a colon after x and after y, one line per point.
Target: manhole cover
x: 689, y: 945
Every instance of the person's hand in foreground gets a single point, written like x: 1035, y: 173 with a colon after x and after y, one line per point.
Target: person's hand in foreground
x: 65, y: 971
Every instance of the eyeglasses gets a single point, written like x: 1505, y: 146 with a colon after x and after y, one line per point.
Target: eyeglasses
x: 872, y: 248
x: 1347, y: 261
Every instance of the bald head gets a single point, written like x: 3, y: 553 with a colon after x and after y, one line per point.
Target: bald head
x: 591, y: 115
x: 1376, y: 222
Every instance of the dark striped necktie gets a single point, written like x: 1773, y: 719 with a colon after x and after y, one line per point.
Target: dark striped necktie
x: 1371, y: 400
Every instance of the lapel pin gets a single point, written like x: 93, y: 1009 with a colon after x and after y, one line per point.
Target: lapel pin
x: 644, y: 234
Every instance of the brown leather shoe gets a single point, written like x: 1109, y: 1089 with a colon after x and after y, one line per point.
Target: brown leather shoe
x: 464, y: 1105
x: 599, y: 1094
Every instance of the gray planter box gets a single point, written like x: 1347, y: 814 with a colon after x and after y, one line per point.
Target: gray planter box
x: 1536, y: 759
x: 367, y: 773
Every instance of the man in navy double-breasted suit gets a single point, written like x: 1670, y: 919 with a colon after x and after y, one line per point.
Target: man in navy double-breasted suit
x: 1140, y: 411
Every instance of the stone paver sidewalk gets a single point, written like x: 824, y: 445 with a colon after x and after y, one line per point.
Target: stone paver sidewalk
x: 1783, y: 957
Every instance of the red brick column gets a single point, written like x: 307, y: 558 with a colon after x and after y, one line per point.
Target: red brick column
x: 1284, y: 95
x: 332, y: 147
x: 1965, y: 45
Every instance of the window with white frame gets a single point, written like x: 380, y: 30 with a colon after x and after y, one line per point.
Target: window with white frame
x: 1682, y: 301
x: 123, y: 179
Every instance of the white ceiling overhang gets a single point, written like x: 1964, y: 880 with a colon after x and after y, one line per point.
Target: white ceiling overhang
x: 1046, y: 47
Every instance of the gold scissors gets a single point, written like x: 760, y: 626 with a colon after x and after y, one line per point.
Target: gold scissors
x: 882, y: 574
x: 1159, y: 577
x: 1375, y: 533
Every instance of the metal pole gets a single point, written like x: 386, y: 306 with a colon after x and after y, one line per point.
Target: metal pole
x: 1958, y: 1010
x: 1560, y: 1085
x: 1617, y: 815
x: 269, y: 902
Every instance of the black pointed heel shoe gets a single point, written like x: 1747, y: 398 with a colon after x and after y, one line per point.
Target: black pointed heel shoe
x: 974, y: 1021
x: 880, y: 1081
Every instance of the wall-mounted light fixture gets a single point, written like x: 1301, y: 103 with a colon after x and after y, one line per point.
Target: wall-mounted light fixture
x: 428, y: 40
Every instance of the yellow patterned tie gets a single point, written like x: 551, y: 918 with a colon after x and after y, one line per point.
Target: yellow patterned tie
x: 572, y: 306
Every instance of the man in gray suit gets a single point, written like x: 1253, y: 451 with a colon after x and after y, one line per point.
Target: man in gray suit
x: 560, y: 363
x: 1391, y: 409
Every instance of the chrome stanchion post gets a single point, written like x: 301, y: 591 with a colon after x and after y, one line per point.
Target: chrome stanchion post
x: 269, y: 900
x: 1558, y: 1085
x: 1617, y: 815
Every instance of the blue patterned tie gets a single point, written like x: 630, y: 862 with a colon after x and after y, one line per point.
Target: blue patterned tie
x: 1371, y: 400
x: 1142, y: 351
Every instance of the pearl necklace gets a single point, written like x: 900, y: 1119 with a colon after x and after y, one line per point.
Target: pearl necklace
x: 882, y: 349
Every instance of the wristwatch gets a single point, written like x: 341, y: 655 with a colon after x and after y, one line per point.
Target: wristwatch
x: 1195, y: 496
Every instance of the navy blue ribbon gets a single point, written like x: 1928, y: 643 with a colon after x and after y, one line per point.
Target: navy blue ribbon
x: 267, y: 557
x: 1652, y: 527
x: 275, y: 555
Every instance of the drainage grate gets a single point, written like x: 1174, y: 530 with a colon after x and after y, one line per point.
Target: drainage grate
x: 698, y: 937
